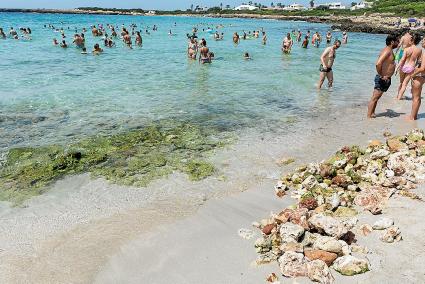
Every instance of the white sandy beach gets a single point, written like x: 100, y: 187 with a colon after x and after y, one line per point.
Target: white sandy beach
x: 175, y: 231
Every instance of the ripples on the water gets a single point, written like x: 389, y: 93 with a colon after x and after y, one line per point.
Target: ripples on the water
x: 50, y: 95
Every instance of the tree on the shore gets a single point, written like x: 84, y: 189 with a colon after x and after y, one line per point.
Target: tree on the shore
x: 353, y: 4
x: 221, y: 6
x: 312, y: 3
x: 191, y: 7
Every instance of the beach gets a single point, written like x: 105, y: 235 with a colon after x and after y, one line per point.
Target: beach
x: 86, y: 229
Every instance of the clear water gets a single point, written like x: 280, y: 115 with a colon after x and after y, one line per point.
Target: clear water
x: 51, y: 95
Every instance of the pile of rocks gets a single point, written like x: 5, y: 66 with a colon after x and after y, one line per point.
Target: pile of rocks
x: 318, y: 232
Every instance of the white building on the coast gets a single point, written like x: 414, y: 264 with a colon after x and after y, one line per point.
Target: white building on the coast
x: 334, y: 6
x: 246, y: 8
x: 294, y: 7
x: 362, y: 5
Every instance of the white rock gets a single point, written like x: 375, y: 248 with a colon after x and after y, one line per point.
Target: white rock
x: 391, y: 234
x: 381, y: 153
x: 293, y: 264
x: 246, y: 233
x: 327, y: 224
x: 335, y: 201
x: 328, y: 244
x: 290, y: 232
x: 346, y: 250
x: 309, y: 183
x: 318, y: 271
x: 349, y: 265
x: 383, y: 223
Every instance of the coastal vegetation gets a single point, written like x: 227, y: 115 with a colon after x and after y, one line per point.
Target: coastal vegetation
x: 407, y: 8
x: 133, y: 158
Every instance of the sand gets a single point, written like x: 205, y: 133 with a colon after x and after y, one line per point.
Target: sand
x: 175, y: 231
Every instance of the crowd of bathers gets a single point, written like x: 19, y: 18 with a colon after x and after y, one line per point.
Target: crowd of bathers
x: 21, y: 34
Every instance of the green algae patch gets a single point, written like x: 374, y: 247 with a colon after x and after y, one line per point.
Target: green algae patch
x: 133, y: 158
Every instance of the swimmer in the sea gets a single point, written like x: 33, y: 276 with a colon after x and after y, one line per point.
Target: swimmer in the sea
x: 84, y: 51
x: 139, y: 39
x: 55, y: 42
x: 204, y: 51
x: 236, y: 38
x: 246, y: 56
x: 328, y: 37
x: 2, y: 34
x: 264, y: 39
x: 96, y: 49
x: 305, y: 42
x: 63, y: 44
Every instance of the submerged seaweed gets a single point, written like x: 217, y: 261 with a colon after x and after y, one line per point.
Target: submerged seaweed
x: 132, y: 158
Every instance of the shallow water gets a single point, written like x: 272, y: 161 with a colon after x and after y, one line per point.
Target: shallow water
x: 50, y: 95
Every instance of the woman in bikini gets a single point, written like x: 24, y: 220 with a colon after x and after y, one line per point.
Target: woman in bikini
x: 204, y: 53
x: 192, y: 49
x: 408, y: 63
x: 418, y: 81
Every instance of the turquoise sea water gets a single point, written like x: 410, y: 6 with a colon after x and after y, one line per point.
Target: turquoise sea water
x: 51, y: 95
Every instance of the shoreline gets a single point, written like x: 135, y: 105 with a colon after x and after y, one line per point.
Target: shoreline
x: 64, y: 223
x: 368, y: 23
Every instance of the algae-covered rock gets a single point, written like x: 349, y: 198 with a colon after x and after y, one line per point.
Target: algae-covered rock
x: 345, y: 212
x: 134, y: 158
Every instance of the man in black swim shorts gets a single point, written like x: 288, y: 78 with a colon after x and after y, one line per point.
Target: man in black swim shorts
x: 385, y: 67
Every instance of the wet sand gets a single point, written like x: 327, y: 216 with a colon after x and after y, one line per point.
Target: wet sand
x: 176, y: 231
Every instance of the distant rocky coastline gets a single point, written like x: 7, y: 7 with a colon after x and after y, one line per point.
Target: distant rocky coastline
x: 374, y: 23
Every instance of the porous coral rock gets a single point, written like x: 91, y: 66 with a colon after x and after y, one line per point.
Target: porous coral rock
x: 383, y: 223
x: 366, y: 229
x: 293, y: 264
x: 318, y: 271
x: 327, y: 224
x: 327, y: 257
x: 328, y: 244
x: 349, y: 265
x: 263, y: 245
x: 290, y: 232
x: 391, y: 234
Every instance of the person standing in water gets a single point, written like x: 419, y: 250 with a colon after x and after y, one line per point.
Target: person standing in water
x: 204, y: 53
x: 385, y: 67
x: 2, y: 34
x: 287, y: 44
x: 305, y: 42
x: 299, y: 35
x: 264, y: 40
x: 418, y: 81
x: 328, y: 37
x: 236, y: 38
x: 327, y: 60
x: 408, y: 63
x: 139, y: 40
x: 344, y: 37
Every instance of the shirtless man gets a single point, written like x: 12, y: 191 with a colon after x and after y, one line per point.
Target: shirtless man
x: 236, y: 38
x: 13, y: 33
x: 410, y: 58
x: 287, y: 43
x: 127, y: 40
x: 418, y: 81
x: 327, y: 60
x: 63, y: 44
x: 385, y: 67
x: 78, y: 40
x: 315, y: 41
x: 264, y: 40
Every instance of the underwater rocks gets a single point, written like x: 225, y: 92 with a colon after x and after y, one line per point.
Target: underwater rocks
x: 318, y: 231
x: 131, y: 158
